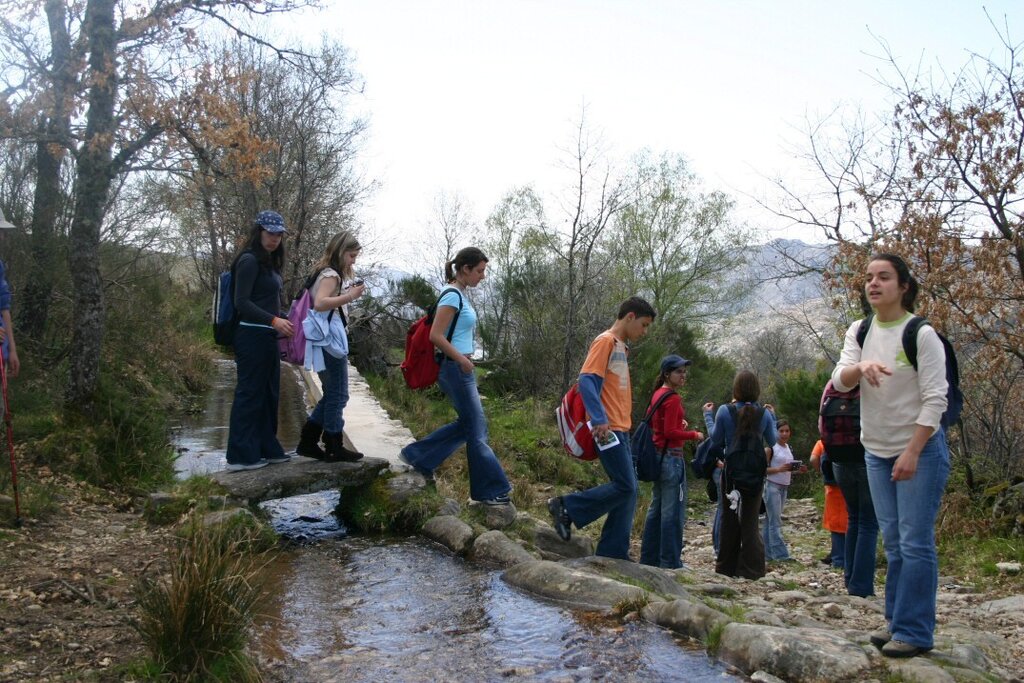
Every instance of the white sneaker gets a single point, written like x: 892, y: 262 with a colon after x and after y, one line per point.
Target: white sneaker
x: 239, y: 467
x: 278, y: 461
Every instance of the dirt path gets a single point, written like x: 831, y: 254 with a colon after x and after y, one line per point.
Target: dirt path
x: 66, y: 586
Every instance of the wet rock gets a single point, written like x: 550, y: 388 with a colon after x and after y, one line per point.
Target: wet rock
x: 497, y: 548
x: 664, y: 582
x: 690, y: 618
x: 796, y: 655
x: 300, y: 475
x: 450, y: 532
x: 765, y: 677
x: 574, y: 587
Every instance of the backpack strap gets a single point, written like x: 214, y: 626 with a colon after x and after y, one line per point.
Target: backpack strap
x: 653, y: 409
x: 909, y: 339
x: 455, y: 320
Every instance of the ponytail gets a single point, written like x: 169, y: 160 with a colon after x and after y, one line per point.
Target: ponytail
x: 467, y: 257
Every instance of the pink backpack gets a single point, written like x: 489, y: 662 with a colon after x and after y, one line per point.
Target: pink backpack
x: 293, y: 349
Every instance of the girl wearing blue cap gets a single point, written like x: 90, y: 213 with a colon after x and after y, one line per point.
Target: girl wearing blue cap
x: 662, y: 543
x: 252, y: 435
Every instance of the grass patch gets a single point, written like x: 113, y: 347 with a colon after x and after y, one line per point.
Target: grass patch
x: 195, y: 621
x: 713, y: 642
x: 371, y: 509
x: 630, y: 605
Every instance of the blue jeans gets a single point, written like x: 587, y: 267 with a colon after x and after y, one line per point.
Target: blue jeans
x: 329, y: 410
x: 252, y: 434
x: 617, y: 499
x: 716, y: 524
x: 906, y: 514
x: 838, y: 553
x: 774, y: 500
x: 861, y: 529
x: 487, y: 479
x: 662, y: 541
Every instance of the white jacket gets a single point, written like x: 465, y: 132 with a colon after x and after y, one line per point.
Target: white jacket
x: 324, y: 333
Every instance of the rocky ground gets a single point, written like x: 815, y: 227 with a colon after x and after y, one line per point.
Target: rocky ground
x: 66, y: 590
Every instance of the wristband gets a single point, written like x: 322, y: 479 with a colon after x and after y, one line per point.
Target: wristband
x: 273, y: 320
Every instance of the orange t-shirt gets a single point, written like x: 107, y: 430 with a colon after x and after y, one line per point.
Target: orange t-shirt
x: 607, y: 359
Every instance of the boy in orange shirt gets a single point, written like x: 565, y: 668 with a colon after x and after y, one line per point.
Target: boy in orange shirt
x: 607, y: 395
x: 834, y: 518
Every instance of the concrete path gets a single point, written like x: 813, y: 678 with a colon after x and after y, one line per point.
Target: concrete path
x: 367, y: 425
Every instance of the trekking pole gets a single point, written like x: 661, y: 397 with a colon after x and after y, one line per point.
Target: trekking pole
x: 10, y: 441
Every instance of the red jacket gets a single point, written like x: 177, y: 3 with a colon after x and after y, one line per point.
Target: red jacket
x: 667, y: 423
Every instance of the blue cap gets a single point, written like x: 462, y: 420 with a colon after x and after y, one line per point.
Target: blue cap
x: 673, y: 362
x: 270, y: 221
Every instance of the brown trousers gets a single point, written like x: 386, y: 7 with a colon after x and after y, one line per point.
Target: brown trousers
x: 741, y: 550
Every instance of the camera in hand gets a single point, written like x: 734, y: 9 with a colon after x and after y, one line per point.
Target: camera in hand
x: 357, y: 282
x: 795, y: 465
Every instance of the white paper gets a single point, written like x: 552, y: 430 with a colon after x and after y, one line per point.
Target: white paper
x: 611, y: 439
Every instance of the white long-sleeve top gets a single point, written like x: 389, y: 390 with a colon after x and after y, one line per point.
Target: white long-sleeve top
x: 890, y: 412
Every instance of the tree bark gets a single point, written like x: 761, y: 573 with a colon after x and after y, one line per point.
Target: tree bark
x: 91, y: 193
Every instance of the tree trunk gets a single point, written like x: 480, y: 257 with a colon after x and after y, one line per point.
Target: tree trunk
x: 91, y: 192
x: 48, y: 198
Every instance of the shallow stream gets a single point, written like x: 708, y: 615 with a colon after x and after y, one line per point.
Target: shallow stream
x: 352, y: 609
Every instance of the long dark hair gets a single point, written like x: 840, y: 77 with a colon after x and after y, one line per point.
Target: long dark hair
x: 271, y: 259
x: 467, y: 257
x: 903, y: 277
x: 746, y: 389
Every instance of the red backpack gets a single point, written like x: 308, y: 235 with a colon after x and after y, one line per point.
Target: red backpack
x: 571, y: 418
x: 421, y: 365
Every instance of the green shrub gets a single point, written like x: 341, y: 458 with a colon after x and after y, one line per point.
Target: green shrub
x: 195, y: 621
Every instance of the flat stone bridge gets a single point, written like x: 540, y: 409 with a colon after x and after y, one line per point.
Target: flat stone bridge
x: 377, y: 436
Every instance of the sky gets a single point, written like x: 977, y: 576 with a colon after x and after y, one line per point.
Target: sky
x: 474, y: 98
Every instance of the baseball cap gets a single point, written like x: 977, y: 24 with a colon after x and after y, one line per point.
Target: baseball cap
x: 270, y: 221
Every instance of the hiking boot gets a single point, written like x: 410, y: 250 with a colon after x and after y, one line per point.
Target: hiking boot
x: 881, y: 637
x: 336, y: 450
x: 900, y: 650
x: 242, y: 466
x: 560, y: 518
x: 309, y: 441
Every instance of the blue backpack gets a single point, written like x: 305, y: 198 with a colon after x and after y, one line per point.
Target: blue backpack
x: 225, y: 317
x: 647, y: 459
x: 954, y: 396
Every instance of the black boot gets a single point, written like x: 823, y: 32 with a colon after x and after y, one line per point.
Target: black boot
x: 336, y: 448
x: 309, y: 441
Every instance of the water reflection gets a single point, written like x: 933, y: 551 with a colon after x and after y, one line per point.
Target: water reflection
x: 201, y: 438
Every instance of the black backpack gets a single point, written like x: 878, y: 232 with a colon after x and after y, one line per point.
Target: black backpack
x: 745, y: 462
x: 647, y: 459
x: 954, y: 396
